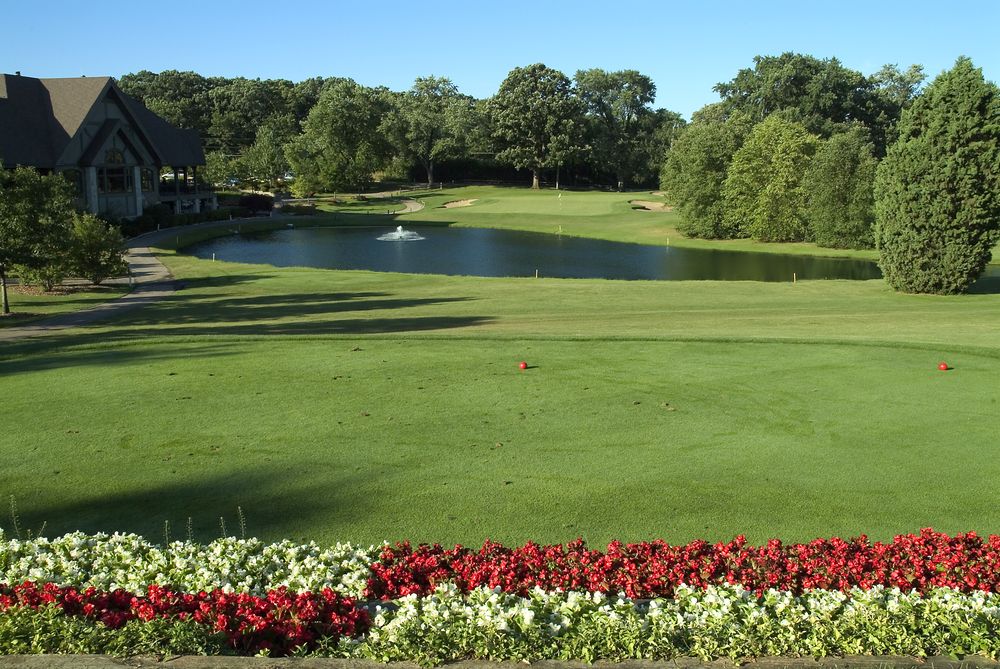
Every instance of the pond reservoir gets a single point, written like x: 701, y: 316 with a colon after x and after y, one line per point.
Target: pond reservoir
x: 507, y: 253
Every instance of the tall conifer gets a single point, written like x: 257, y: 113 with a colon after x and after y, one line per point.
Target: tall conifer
x: 937, y: 193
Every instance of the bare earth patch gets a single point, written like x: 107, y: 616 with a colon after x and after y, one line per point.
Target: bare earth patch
x: 457, y: 203
x: 648, y: 205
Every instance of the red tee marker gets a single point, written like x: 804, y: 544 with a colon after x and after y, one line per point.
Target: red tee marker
x: 944, y: 367
x: 522, y: 365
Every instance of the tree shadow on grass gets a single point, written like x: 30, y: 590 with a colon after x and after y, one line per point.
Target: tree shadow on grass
x: 67, y: 351
x: 274, y: 501
x: 219, y: 310
x: 297, y: 314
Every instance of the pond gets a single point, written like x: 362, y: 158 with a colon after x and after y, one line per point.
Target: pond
x: 490, y: 252
x: 500, y: 253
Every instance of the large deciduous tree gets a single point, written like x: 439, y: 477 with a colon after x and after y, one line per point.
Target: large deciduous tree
x: 820, y: 91
x: 180, y: 97
x: 763, y: 193
x: 695, y: 172
x: 242, y: 106
x: 839, y: 184
x: 36, y: 214
x: 822, y: 95
x: 264, y: 163
x: 619, y: 105
x: 536, y: 119
x: 937, y: 193
x: 340, y: 146
x: 429, y: 122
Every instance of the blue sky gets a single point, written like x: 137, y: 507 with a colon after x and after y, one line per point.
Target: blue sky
x: 685, y: 48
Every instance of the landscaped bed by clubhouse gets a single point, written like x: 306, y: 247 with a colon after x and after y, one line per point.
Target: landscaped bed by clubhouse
x: 919, y: 595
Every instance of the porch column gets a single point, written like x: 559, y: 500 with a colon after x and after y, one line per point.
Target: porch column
x: 137, y: 185
x: 177, y: 192
x: 197, y: 200
x: 90, y: 188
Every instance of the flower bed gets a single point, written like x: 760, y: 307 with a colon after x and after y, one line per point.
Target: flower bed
x: 279, y: 622
x: 965, y: 562
x: 921, y: 594
x: 130, y: 562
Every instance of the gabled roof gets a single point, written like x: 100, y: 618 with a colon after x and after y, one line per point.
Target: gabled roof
x: 28, y: 131
x: 72, y: 99
x: 176, y: 146
x: 39, y: 117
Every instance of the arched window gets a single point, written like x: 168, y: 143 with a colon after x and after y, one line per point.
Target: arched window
x: 114, y: 179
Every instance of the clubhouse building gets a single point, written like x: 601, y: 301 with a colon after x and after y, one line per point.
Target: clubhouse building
x: 106, y: 143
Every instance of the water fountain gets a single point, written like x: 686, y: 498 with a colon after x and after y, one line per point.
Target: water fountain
x: 400, y: 235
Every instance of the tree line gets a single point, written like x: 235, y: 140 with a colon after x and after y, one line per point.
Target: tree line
x: 796, y: 149
x: 334, y: 134
x: 802, y: 149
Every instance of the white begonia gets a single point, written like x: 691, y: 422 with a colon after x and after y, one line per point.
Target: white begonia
x: 130, y: 562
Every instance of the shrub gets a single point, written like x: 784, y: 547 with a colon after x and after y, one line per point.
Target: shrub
x: 257, y: 202
x: 299, y: 209
x: 161, y: 214
x: 695, y: 172
x: 97, y: 250
x: 46, y: 276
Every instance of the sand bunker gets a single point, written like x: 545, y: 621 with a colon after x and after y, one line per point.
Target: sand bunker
x: 650, y: 206
x: 457, y: 203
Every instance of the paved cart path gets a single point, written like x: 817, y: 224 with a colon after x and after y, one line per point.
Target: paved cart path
x: 151, y: 281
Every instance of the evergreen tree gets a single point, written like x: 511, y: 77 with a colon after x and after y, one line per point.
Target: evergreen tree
x: 839, y: 186
x: 937, y: 193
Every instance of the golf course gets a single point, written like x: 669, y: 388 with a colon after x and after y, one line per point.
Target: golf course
x: 335, y: 405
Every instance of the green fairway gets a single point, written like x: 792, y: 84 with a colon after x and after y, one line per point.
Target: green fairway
x: 341, y: 405
x: 602, y: 215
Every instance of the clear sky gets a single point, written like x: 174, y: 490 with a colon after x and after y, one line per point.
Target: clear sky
x: 685, y: 47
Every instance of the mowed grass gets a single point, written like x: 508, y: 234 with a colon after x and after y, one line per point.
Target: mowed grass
x: 371, y: 439
x: 28, y: 304
x: 363, y: 406
x: 601, y: 215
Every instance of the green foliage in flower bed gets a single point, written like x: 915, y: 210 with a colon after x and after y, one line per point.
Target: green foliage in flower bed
x: 718, y: 622
x: 484, y: 624
x: 25, y: 631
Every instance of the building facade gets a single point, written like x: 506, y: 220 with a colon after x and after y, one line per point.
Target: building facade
x: 106, y: 143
